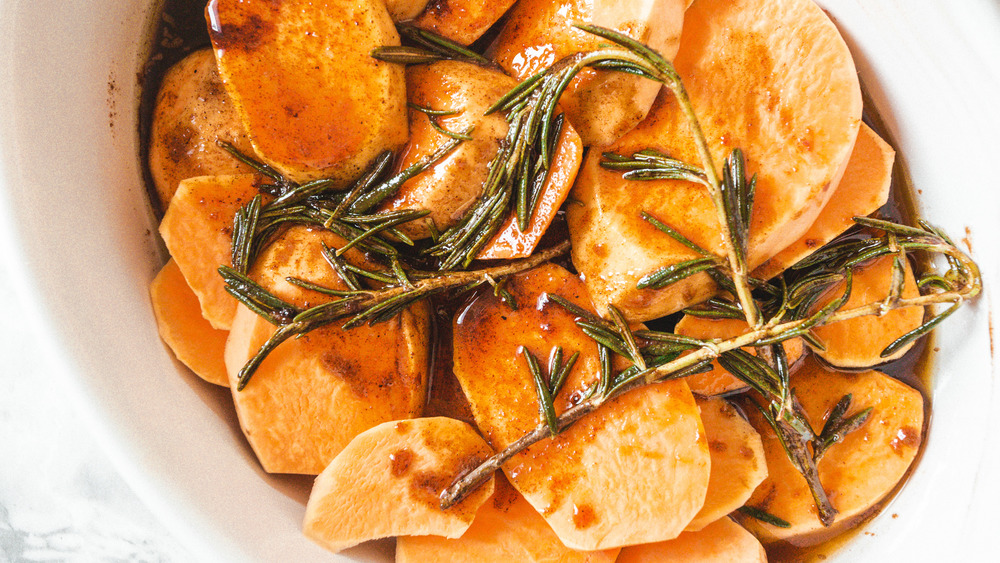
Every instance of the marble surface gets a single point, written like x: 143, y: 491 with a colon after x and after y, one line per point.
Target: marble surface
x: 60, y: 497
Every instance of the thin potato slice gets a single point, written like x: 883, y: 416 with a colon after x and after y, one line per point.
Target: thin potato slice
x: 314, y: 102
x: 723, y: 541
x: 313, y: 394
x: 718, y: 381
x: 387, y: 482
x: 737, y: 461
x: 190, y: 337
x: 856, y: 472
x: 455, y: 182
x: 858, y: 343
x: 197, y: 230
x: 647, y: 446
x: 462, y: 21
x: 506, y: 529
x: 861, y: 192
x: 602, y: 106
x: 192, y: 112
x: 772, y: 78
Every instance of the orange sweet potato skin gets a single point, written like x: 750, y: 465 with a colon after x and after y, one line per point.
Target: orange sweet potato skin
x: 192, y: 339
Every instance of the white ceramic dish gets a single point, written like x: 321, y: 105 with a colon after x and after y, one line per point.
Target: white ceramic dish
x: 72, y: 205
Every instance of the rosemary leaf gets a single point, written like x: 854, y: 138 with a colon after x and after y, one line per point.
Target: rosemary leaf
x: 916, y: 333
x: 674, y: 273
x: 765, y: 517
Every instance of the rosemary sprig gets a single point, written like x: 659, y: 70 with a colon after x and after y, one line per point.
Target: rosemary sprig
x: 549, y: 386
x: 360, y: 306
x: 837, y: 427
x: 965, y: 284
x: 425, y: 46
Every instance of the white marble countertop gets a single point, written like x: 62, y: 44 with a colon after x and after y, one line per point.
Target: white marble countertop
x: 60, y: 497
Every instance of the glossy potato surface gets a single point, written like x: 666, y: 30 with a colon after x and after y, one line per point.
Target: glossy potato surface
x: 634, y: 471
x: 723, y: 541
x: 192, y: 112
x: 772, y: 78
x: 300, y: 72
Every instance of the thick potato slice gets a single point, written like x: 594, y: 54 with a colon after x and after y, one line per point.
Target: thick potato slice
x: 198, y: 230
x: 190, y: 337
x: 647, y: 446
x: 313, y: 394
x: 506, y: 529
x: 462, y: 21
x: 738, y: 464
x: 723, y: 541
x: 455, y: 182
x: 858, y: 342
x: 602, y: 106
x: 388, y: 480
x: 861, y: 192
x: 300, y: 72
x: 856, y: 472
x: 773, y: 78
x: 192, y: 112
x: 718, y: 381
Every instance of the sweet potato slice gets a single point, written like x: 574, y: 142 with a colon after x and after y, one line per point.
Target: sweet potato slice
x: 773, y: 78
x: 387, y: 482
x: 463, y: 21
x: 601, y: 105
x: 190, y: 337
x: 856, y: 472
x: 861, y: 192
x: 858, y: 342
x: 719, y: 381
x: 737, y: 461
x: 506, y: 529
x: 192, y: 112
x: 455, y: 181
x: 197, y: 230
x: 313, y: 394
x: 647, y: 445
x: 300, y: 72
x: 723, y: 541
x: 404, y: 10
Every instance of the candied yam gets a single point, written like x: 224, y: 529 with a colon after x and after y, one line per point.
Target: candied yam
x: 314, y: 102
x: 601, y: 105
x: 647, y: 445
x: 192, y: 112
x: 198, y: 229
x: 510, y: 242
x: 857, y: 472
x: 737, y: 461
x: 772, y: 78
x: 858, y: 342
x: 462, y: 21
x: 190, y: 337
x: 313, y: 394
x: 723, y: 541
x: 388, y: 480
x: 456, y: 181
x: 861, y: 192
x: 505, y: 529
x: 718, y: 381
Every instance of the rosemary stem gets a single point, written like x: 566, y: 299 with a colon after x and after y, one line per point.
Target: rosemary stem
x: 466, y: 483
